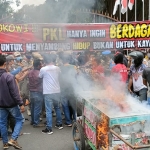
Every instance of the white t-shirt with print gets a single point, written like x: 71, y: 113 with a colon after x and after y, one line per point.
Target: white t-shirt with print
x: 137, y: 78
x: 50, y: 75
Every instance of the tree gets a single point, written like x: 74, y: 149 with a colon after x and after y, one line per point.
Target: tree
x: 6, y: 10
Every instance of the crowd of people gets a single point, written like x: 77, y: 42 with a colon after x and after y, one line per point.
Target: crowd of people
x: 44, y: 83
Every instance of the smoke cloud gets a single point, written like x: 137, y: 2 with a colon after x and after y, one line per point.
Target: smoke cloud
x: 112, y: 100
x: 30, y: 2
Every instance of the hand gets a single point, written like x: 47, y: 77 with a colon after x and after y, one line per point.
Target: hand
x: 20, y: 64
x: 22, y: 108
x: 130, y: 90
x: 30, y: 67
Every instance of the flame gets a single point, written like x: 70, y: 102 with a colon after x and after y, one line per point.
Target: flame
x: 116, y: 96
x: 102, y: 132
x: 116, y: 92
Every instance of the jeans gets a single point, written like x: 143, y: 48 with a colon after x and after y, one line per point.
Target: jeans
x: 15, y: 112
x: 36, y: 99
x: 142, y: 94
x: 50, y: 101
x: 69, y: 115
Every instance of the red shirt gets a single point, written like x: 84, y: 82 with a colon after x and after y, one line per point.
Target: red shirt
x: 122, y: 70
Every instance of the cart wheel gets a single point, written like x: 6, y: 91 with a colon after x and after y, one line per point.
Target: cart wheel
x: 78, y: 136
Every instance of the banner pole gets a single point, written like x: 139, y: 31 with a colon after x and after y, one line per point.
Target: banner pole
x: 127, y: 12
x: 135, y: 10
x: 143, y: 11
x: 149, y: 11
x: 120, y: 10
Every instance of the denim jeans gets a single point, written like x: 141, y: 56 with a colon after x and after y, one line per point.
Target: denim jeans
x: 66, y: 104
x: 36, y: 99
x: 19, y: 119
x: 50, y: 101
x: 142, y: 94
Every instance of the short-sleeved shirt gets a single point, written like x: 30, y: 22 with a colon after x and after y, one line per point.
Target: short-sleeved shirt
x: 50, y: 75
x: 35, y: 83
x: 137, y: 77
x: 121, y: 70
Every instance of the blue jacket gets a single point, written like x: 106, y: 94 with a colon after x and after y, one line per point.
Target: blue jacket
x: 9, y: 92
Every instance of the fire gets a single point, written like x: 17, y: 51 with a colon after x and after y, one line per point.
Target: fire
x: 117, y: 97
x: 102, y: 132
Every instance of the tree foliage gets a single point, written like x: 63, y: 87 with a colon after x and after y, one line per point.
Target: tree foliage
x: 6, y: 10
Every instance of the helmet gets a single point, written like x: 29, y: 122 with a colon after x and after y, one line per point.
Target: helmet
x: 118, y: 58
x: 138, y: 57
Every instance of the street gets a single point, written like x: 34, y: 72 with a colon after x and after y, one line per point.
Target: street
x: 34, y: 139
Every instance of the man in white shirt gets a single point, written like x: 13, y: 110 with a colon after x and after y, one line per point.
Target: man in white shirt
x: 136, y: 71
x: 51, y: 90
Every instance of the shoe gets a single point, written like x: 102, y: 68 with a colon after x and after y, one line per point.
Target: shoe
x: 28, y: 112
x: 20, y: 134
x: 14, y: 144
x: 38, y: 125
x: 46, y: 131
x: 59, y: 126
x: 5, y: 146
x: 31, y: 123
x: 68, y: 125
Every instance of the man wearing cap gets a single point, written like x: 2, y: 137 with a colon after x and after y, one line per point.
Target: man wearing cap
x: 10, y: 62
x: 27, y: 63
x: 11, y: 65
x: 108, y: 62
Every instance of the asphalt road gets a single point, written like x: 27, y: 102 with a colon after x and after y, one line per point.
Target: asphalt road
x: 36, y: 140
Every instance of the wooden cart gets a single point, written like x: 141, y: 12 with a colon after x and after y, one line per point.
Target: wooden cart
x: 99, y: 130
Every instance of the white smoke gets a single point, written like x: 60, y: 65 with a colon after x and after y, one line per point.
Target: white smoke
x: 26, y: 2
x: 30, y: 2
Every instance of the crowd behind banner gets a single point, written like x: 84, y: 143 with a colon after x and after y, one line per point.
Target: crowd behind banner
x: 47, y: 83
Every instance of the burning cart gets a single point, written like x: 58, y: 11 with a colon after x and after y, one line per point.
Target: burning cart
x: 104, y: 127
